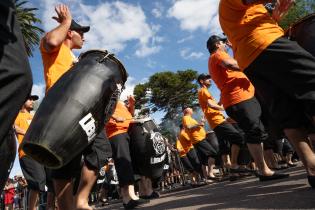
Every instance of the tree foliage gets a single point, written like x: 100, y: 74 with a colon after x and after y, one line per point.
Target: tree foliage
x: 28, y: 20
x: 167, y: 91
x: 301, y: 9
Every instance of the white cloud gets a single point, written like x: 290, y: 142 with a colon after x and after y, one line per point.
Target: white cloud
x: 196, y: 14
x: 113, y: 25
x: 39, y: 89
x: 129, y: 87
x: 187, y: 54
x: 158, y: 10
x: 185, y: 39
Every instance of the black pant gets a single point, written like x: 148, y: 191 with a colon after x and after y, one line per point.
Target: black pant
x: 194, y: 160
x: 122, y: 159
x: 15, y: 71
x: 227, y: 133
x: 247, y: 114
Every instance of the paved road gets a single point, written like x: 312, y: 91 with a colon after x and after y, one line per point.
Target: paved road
x: 249, y: 193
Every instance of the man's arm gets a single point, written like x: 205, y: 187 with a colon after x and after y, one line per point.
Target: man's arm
x: 213, y: 105
x: 131, y: 107
x: 53, y: 39
x: 19, y: 130
x: 230, y: 63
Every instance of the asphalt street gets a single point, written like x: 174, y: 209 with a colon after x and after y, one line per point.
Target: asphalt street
x: 249, y: 193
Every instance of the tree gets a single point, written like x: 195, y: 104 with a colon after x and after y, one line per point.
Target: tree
x: 28, y: 21
x: 301, y: 9
x: 167, y: 91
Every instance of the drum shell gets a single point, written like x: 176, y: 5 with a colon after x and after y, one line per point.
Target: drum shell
x: 303, y: 32
x: 91, y: 86
x: 142, y: 150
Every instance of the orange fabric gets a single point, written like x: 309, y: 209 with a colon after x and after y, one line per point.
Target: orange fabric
x: 250, y: 29
x: 196, y: 134
x: 214, y: 117
x: 182, y: 152
x: 23, y: 120
x: 235, y: 87
x: 56, y: 63
x: 112, y: 127
x: 185, y: 141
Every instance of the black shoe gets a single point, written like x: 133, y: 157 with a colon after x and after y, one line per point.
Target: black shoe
x: 263, y: 178
x: 241, y: 170
x: 311, y: 180
x: 153, y: 195
x: 134, y: 203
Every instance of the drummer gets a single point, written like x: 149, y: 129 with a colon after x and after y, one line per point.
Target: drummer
x: 188, y: 153
x: 33, y: 172
x: 282, y: 72
x: 56, y: 50
x: 197, y: 135
x: 223, y: 130
x: 117, y: 132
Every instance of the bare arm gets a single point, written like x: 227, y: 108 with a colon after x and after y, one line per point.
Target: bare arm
x: 53, y: 39
x: 213, y: 105
x: 19, y: 130
x: 131, y: 107
x: 230, y: 64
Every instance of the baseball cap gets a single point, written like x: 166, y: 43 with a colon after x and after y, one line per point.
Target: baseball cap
x: 77, y: 27
x: 212, y: 41
x: 33, y: 97
x: 203, y: 77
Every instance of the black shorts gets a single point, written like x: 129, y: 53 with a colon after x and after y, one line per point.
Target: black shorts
x: 247, y: 114
x: 284, y: 77
x: 122, y: 159
x: 34, y: 173
x: 204, y: 151
x: 227, y: 133
x: 186, y: 163
x: 194, y: 160
x: 94, y: 156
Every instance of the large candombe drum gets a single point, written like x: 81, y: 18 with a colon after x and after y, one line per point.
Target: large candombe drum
x: 75, y: 109
x: 303, y: 32
x: 147, y: 148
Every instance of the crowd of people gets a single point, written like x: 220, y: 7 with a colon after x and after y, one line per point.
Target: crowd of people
x: 267, y: 92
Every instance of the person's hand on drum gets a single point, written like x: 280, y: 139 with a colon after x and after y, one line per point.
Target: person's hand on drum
x: 281, y: 8
x: 119, y: 119
x: 63, y: 14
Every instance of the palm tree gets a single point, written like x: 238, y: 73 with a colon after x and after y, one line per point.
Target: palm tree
x: 28, y: 21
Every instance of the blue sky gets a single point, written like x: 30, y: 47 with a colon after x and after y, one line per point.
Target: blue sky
x: 147, y: 36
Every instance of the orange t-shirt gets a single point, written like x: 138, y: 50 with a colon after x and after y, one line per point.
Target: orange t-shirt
x: 196, y: 134
x: 56, y: 63
x: 182, y: 152
x: 250, y: 29
x: 23, y: 120
x: 112, y: 127
x: 214, y: 117
x: 235, y: 87
x: 185, y: 141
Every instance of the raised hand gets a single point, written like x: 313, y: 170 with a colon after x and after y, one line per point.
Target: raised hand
x: 281, y: 8
x: 63, y: 14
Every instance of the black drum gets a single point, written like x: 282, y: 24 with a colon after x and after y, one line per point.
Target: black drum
x: 75, y: 109
x: 147, y: 148
x: 303, y: 32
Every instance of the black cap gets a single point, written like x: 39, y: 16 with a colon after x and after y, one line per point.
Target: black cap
x: 77, y: 27
x: 212, y: 41
x: 203, y: 77
x: 33, y: 97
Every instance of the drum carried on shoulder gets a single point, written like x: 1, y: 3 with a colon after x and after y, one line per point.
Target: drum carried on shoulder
x: 303, y: 32
x: 147, y: 148
x: 75, y: 109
